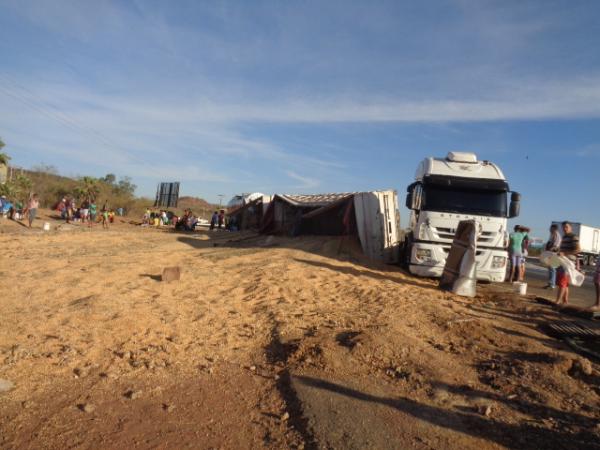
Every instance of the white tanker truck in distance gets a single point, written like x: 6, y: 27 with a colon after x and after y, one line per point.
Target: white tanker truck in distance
x: 447, y: 191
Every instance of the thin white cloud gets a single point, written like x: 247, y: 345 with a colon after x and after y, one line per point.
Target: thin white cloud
x: 186, y: 90
x: 305, y: 182
x: 588, y: 151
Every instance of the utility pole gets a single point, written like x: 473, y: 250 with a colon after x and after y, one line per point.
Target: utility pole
x: 220, y: 199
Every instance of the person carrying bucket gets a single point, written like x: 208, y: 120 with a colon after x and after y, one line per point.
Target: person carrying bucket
x: 516, y: 253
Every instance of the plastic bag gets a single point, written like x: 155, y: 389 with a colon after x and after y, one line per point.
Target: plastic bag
x: 550, y: 259
x: 576, y: 277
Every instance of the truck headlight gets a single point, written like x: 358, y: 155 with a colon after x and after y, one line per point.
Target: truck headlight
x: 498, y: 262
x: 423, y: 254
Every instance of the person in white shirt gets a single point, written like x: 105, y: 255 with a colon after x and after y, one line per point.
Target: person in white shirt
x: 553, y: 245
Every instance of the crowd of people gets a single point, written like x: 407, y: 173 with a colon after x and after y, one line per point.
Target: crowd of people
x: 188, y: 221
x: 15, y: 210
x: 87, y: 212
x: 217, y: 219
x: 565, y: 244
x: 158, y: 218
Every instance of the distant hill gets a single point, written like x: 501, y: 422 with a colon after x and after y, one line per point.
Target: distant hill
x: 194, y: 202
x: 51, y: 187
x: 198, y: 205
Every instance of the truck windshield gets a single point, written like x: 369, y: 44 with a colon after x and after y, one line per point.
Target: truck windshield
x: 464, y: 201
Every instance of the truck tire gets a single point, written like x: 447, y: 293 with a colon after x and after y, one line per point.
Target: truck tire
x: 406, y: 252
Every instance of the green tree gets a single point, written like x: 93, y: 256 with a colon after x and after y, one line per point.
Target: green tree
x: 125, y: 187
x: 6, y: 189
x: 4, y: 158
x: 88, y: 189
x: 110, y: 178
x: 19, y: 188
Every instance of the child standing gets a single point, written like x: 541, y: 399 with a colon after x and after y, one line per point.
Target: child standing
x: 104, y: 218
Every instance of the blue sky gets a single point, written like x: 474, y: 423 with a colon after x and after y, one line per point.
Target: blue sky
x: 307, y: 96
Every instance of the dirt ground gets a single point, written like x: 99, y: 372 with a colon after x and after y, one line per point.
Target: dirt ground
x: 269, y: 342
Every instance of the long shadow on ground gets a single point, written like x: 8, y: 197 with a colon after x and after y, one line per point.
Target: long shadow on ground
x: 516, y: 436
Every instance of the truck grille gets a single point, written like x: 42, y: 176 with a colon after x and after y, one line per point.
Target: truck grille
x: 486, y: 237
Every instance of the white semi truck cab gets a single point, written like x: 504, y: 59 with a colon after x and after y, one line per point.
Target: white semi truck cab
x: 446, y: 191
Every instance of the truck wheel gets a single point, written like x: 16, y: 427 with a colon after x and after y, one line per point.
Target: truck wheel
x: 405, y: 252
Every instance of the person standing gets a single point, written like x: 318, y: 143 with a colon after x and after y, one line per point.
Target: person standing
x: 525, y: 251
x: 68, y: 209
x: 597, y: 283
x: 84, y: 211
x: 516, y: 252
x: 93, y: 212
x: 32, y: 207
x: 213, y: 220
x: 569, y: 247
x: 104, y: 213
x: 553, y: 245
x: 221, y: 218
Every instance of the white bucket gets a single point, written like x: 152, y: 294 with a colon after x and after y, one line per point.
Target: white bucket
x: 46, y: 226
x: 520, y: 288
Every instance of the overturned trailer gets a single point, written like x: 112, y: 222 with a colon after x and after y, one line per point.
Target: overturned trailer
x: 373, y: 217
x: 248, y: 216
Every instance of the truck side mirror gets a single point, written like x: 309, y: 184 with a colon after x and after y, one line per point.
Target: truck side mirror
x: 409, y: 200
x: 413, y: 196
x: 515, y: 205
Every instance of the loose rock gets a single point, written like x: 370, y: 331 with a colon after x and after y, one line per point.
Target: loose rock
x: 582, y: 366
x: 6, y: 385
x: 485, y: 410
x: 86, y: 407
x: 79, y: 372
x: 171, y: 274
x: 131, y: 394
x: 168, y: 408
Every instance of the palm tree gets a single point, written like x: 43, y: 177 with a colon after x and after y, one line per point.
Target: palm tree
x: 4, y: 158
x: 19, y: 188
x: 6, y: 189
x: 88, y: 188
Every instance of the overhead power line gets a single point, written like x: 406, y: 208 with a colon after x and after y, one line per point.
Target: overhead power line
x: 50, y: 111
